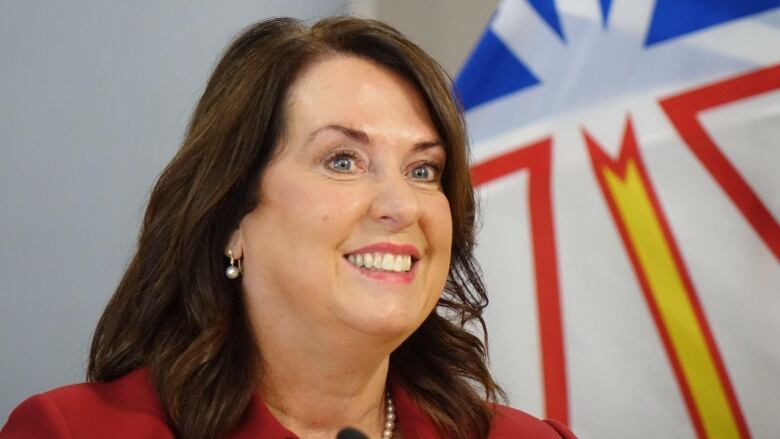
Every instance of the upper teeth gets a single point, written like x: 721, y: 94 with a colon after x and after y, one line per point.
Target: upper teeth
x: 382, y: 261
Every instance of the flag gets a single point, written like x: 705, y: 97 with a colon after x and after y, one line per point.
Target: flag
x: 627, y: 159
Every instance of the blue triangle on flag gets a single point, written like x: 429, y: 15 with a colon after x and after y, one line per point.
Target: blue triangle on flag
x: 546, y: 9
x: 605, y: 5
x: 674, y: 18
x: 490, y: 72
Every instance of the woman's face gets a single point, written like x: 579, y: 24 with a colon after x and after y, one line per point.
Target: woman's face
x: 355, y: 183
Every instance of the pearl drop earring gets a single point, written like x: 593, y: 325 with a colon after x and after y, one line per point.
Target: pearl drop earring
x: 234, y: 269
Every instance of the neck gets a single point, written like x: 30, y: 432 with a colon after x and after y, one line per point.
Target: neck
x: 319, y: 386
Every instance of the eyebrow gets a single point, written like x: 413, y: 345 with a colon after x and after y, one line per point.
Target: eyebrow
x: 362, y: 137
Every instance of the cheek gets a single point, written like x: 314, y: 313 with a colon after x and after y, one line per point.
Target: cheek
x: 313, y: 210
x: 294, y: 195
x: 438, y: 231
x: 441, y: 219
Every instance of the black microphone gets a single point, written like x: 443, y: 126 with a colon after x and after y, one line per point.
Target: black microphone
x: 350, y: 433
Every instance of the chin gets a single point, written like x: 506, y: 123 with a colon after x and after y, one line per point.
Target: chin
x: 392, y: 324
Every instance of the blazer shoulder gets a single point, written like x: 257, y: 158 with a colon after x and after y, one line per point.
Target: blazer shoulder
x: 508, y: 422
x: 132, y: 392
x: 37, y: 416
x: 82, y: 410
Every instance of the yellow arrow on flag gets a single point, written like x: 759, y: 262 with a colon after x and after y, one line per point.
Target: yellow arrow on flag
x: 670, y: 295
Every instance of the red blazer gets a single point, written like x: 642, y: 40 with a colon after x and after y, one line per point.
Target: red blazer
x: 128, y: 408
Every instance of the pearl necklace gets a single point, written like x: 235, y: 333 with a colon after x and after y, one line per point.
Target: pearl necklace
x: 387, y: 433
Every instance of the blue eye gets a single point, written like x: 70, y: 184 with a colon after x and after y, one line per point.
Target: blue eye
x: 427, y: 172
x: 342, y: 162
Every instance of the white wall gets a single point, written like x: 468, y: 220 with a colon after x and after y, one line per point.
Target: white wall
x: 94, y: 99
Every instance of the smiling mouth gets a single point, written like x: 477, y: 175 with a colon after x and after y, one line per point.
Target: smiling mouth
x: 386, y: 262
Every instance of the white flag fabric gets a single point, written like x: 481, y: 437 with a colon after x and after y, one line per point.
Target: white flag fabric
x: 627, y: 157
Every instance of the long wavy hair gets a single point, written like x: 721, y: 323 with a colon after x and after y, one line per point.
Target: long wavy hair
x: 175, y: 312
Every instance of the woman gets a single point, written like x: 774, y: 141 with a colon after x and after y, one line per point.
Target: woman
x: 305, y: 263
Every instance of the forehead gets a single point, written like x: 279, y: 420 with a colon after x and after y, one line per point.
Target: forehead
x: 358, y: 93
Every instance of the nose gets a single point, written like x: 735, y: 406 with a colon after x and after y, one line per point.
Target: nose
x: 395, y: 204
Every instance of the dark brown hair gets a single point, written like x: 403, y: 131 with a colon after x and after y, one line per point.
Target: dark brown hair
x: 177, y: 314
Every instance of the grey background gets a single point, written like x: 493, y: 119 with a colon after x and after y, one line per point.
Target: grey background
x: 94, y: 99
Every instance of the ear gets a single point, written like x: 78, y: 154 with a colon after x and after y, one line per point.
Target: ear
x: 236, y: 243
